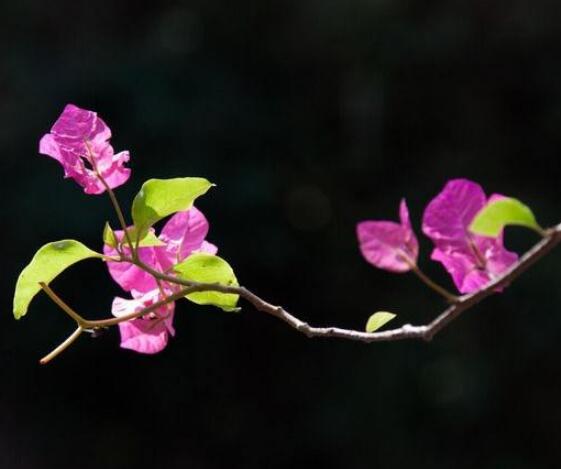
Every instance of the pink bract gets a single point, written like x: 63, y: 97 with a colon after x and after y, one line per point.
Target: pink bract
x: 183, y: 235
x: 79, y: 141
x: 389, y: 245
x: 127, y: 275
x: 470, y: 259
x: 150, y: 333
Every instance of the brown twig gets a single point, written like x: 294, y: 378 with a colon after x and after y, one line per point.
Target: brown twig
x: 112, y: 196
x: 62, y: 347
x: 407, y: 331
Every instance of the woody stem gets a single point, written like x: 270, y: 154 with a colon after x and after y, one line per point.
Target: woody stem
x: 96, y: 324
x: 407, y: 331
x: 62, y: 347
x: 119, y: 213
x: 450, y: 297
x: 112, y: 197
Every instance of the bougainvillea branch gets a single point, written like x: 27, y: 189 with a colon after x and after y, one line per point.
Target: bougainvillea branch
x: 552, y: 237
x: 157, y: 270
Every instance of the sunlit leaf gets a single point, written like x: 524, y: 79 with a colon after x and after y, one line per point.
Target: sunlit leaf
x: 109, y: 237
x: 159, y: 198
x: 150, y: 240
x: 506, y: 211
x: 207, y: 268
x: 49, y: 261
x: 378, y: 320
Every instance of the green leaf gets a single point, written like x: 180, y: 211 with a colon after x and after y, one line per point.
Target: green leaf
x: 378, y: 320
x: 109, y: 237
x: 149, y: 240
x: 159, y: 198
x: 47, y: 264
x: 490, y: 220
x: 206, y: 268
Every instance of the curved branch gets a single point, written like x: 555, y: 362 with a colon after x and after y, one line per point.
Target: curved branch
x: 62, y: 347
x: 407, y: 331
x: 425, y: 332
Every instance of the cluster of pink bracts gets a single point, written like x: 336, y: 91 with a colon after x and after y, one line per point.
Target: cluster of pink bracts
x: 79, y: 140
x: 472, y: 260
x: 181, y: 236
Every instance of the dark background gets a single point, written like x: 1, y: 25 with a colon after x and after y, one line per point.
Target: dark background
x: 310, y: 115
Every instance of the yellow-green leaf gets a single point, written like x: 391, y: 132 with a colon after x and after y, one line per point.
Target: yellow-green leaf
x: 378, y: 320
x: 206, y: 268
x: 149, y: 240
x: 109, y: 237
x: 49, y: 261
x: 492, y: 218
x: 159, y: 198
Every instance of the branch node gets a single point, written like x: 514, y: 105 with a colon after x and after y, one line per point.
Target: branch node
x: 304, y: 327
x: 427, y: 335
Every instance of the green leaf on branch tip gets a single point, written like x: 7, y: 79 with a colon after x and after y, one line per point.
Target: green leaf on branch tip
x: 159, y: 198
x: 109, y: 237
x: 378, y: 320
x: 49, y: 261
x: 207, y: 268
x: 491, y: 219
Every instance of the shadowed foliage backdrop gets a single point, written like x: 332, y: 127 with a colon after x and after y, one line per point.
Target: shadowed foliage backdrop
x: 309, y: 115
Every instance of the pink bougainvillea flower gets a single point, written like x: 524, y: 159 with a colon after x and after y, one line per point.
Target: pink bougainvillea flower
x: 183, y: 235
x: 389, y: 245
x: 472, y: 260
x: 79, y: 140
x: 148, y: 334
x: 127, y: 275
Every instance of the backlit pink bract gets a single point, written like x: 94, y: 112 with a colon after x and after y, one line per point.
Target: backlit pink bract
x: 472, y: 260
x: 150, y: 333
x: 79, y: 141
x: 389, y: 245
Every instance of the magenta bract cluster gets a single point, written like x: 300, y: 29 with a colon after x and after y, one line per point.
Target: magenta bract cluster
x: 470, y: 259
x: 183, y: 235
x: 79, y: 141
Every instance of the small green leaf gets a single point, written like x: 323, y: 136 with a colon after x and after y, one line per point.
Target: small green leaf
x: 490, y: 220
x: 159, y: 198
x: 148, y: 240
x: 49, y: 261
x: 109, y: 237
x: 206, y: 268
x: 378, y: 320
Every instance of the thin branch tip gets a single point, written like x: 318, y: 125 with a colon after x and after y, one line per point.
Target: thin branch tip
x: 62, y: 347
